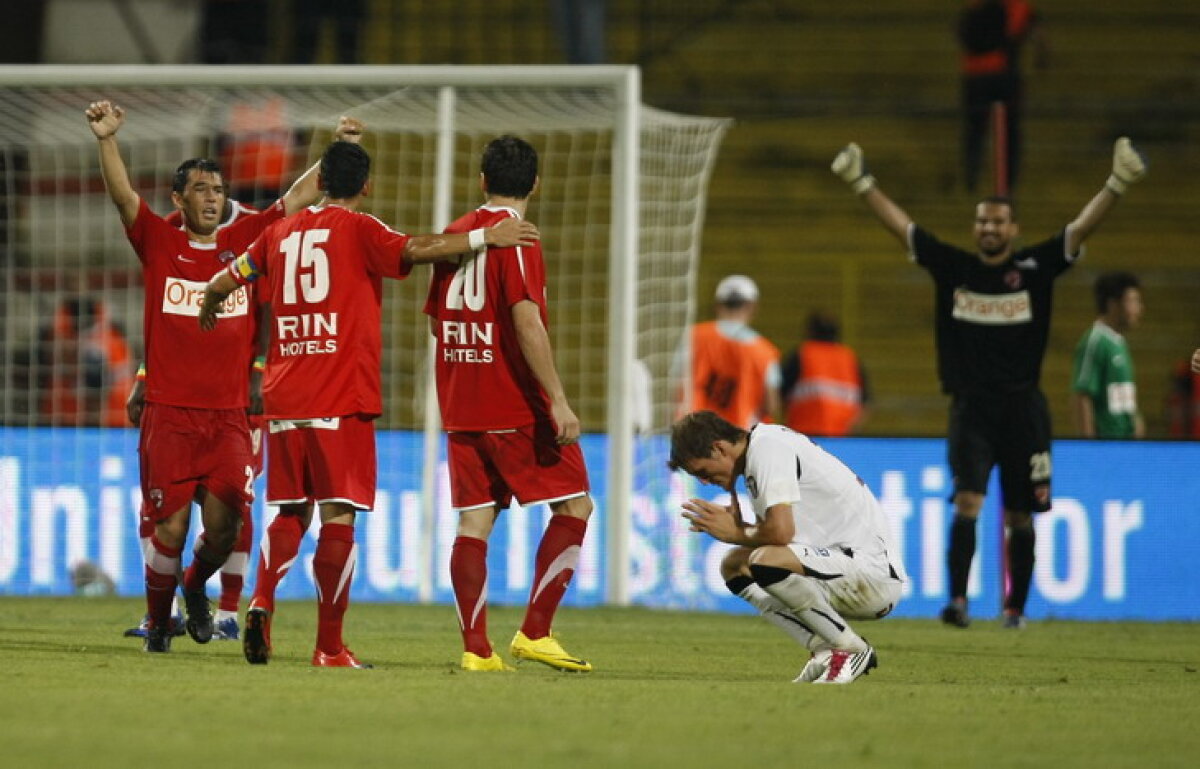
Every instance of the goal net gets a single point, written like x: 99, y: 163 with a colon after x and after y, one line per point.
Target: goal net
x: 620, y: 208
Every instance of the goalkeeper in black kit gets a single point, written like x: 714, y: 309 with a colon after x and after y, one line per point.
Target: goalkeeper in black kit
x: 992, y: 308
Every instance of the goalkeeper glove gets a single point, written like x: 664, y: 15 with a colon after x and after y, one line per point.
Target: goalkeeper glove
x: 849, y: 165
x: 1128, y: 166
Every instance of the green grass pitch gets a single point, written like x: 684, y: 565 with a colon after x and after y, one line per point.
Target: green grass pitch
x: 671, y: 689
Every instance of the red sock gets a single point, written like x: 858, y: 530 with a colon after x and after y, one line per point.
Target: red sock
x: 162, y: 576
x: 233, y: 573
x: 557, y: 557
x: 333, y: 569
x: 205, y: 562
x: 279, y: 549
x: 468, y: 575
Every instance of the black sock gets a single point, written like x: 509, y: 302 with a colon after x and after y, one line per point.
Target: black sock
x: 1021, y: 543
x: 768, y: 575
x: 959, y: 554
x: 738, y: 584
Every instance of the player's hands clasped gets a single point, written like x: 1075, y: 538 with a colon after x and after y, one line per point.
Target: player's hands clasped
x: 1129, y: 166
x: 713, y: 519
x: 850, y: 166
x: 349, y: 130
x: 512, y: 232
x: 104, y: 118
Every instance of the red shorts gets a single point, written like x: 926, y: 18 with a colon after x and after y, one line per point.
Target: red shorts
x: 258, y: 441
x: 322, y: 460
x: 186, y: 451
x: 526, y: 463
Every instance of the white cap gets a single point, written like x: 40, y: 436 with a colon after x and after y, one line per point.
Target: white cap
x: 734, y: 289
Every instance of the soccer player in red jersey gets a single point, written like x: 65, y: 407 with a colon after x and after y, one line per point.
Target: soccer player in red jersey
x: 233, y: 571
x: 323, y: 271
x: 195, y: 440
x: 511, y: 431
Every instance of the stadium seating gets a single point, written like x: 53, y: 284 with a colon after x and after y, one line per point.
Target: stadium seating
x: 802, y: 79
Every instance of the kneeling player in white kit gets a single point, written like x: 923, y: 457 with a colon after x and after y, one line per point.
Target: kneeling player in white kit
x: 820, y: 549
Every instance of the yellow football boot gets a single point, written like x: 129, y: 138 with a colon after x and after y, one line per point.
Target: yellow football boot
x: 492, y: 664
x: 547, y: 651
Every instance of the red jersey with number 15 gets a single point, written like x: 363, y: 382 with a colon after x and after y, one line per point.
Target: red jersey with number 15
x: 483, y: 380
x: 184, y: 365
x: 322, y: 272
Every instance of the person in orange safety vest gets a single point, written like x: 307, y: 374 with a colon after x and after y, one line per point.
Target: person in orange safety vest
x: 824, y: 384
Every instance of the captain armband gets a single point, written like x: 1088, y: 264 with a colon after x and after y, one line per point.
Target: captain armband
x: 244, y: 269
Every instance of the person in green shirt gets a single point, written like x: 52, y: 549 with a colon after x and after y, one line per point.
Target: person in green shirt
x: 1103, y: 391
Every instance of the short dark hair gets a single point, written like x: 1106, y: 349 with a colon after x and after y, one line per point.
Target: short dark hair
x: 822, y: 327
x: 345, y: 168
x: 510, y: 167
x: 1111, y: 286
x: 1001, y: 200
x: 202, y: 165
x: 693, y: 436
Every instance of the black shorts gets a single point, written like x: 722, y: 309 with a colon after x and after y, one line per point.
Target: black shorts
x: 1011, y: 430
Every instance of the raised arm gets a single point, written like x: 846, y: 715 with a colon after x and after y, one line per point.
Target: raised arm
x: 304, y: 191
x: 105, y: 119
x: 1128, y: 168
x: 422, y: 249
x: 535, y: 346
x: 850, y: 166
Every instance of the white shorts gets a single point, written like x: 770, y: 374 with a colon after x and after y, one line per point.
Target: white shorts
x: 858, y: 585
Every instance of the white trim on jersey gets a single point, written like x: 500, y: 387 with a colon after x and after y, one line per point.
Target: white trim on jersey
x: 383, y: 224
x: 516, y: 214
x: 314, y: 423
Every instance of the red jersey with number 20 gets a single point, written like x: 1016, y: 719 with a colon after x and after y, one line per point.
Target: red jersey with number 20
x: 483, y: 380
x: 322, y: 272
x: 186, y: 366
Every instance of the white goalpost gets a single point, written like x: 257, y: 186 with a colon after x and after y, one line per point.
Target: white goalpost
x: 621, y: 210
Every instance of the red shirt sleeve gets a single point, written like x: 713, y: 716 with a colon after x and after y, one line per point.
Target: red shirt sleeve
x: 383, y: 248
x: 522, y: 275
x: 142, y: 232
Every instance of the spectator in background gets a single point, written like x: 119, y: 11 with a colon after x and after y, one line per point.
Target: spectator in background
x: 86, y: 368
x: 735, y: 372
x: 581, y: 28
x: 991, y: 34
x: 347, y: 17
x: 233, y: 31
x: 824, y: 387
x: 1103, y: 390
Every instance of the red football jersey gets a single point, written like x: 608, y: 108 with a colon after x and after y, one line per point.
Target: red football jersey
x: 184, y: 365
x: 483, y: 380
x: 322, y: 272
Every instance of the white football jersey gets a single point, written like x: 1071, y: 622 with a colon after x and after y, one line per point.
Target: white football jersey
x: 831, y: 506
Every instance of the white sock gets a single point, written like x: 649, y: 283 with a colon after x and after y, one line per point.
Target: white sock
x: 812, y: 608
x: 773, y: 611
